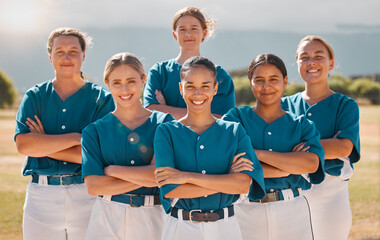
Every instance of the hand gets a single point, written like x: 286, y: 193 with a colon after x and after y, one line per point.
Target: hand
x: 35, y: 127
x: 109, y: 170
x: 168, y: 175
x: 160, y: 97
x: 336, y: 134
x: 300, y: 147
x: 240, y: 164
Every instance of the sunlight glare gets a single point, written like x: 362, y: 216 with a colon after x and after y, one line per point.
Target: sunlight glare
x: 19, y: 16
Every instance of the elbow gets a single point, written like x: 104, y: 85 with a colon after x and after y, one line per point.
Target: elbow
x: 244, y: 185
x: 91, y: 187
x: 313, y: 165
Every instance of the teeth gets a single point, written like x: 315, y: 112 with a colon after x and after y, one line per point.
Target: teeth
x: 198, y: 102
x: 312, y: 71
x: 126, y: 97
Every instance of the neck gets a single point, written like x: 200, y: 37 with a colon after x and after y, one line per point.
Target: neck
x: 186, y: 54
x: 130, y: 113
x: 66, y: 86
x: 198, y: 122
x: 316, y: 92
x: 269, y: 113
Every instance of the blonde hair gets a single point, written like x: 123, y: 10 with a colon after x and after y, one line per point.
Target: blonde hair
x: 84, y: 40
x: 121, y: 59
x: 197, y: 13
x: 312, y: 38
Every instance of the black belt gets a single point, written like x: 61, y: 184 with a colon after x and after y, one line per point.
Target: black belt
x: 134, y: 200
x: 199, y: 216
x: 62, y: 180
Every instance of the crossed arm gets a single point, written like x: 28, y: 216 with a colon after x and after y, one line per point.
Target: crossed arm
x: 194, y: 185
x: 62, y: 147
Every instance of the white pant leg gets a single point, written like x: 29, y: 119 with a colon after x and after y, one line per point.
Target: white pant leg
x: 275, y: 220
x: 78, y: 210
x: 330, y: 209
x: 113, y: 221
x: 56, y: 212
x: 175, y: 229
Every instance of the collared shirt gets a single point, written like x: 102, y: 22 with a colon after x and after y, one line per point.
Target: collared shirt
x: 281, y: 136
x: 211, y: 152
x: 109, y: 142
x: 165, y: 77
x: 85, y: 106
x: 337, y: 114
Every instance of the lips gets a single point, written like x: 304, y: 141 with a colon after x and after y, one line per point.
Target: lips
x: 126, y: 98
x: 198, y: 102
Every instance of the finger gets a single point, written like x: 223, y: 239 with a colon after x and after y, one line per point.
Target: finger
x: 305, y: 149
x: 237, y: 156
x: 298, y: 147
x: 39, y: 122
x: 31, y: 127
x: 244, y: 165
x: 32, y: 122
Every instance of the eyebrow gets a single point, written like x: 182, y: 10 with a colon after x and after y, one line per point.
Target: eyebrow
x: 269, y: 76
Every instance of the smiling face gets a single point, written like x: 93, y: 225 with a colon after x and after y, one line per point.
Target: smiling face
x: 267, y: 84
x: 198, y: 87
x: 314, y: 62
x: 125, y: 84
x: 189, y: 33
x: 67, y: 56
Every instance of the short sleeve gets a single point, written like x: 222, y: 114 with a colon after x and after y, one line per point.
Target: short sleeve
x: 105, y: 105
x: 153, y: 83
x: 92, y: 159
x: 311, y: 136
x: 232, y: 115
x: 257, y: 188
x: 348, y: 127
x: 224, y: 100
x: 164, y: 157
x: 28, y: 108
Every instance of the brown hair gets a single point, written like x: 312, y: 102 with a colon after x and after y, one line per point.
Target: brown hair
x: 121, y: 59
x: 312, y: 38
x: 197, y: 13
x: 269, y: 59
x: 82, y: 37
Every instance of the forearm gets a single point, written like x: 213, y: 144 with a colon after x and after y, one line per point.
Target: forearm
x: 105, y: 185
x: 233, y: 183
x: 140, y: 175
x: 272, y: 172
x: 189, y: 191
x: 41, y: 145
x: 336, y: 148
x: 290, y: 162
x: 73, y: 155
x: 176, y: 112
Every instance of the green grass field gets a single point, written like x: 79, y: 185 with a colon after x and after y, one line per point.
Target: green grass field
x: 364, y: 185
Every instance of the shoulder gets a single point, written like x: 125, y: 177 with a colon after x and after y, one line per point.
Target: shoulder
x: 100, y: 123
x: 222, y: 75
x: 168, y: 64
x: 40, y: 89
x: 230, y: 127
x: 344, y: 100
x: 161, y: 117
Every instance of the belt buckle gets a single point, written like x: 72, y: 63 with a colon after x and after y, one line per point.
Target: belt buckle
x: 61, y: 181
x: 190, y: 217
x: 130, y: 200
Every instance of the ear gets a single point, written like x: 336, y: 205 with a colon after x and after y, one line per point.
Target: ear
x: 204, y: 34
x: 174, y: 35
x: 285, y: 81
x: 216, y: 88
x: 84, y: 56
x: 143, y: 79
x: 50, y: 58
x: 180, y: 88
x: 331, y: 65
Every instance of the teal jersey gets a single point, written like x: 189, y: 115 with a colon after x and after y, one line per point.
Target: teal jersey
x: 335, y: 115
x: 109, y: 142
x: 281, y: 136
x: 211, y: 152
x: 85, y: 106
x: 165, y: 77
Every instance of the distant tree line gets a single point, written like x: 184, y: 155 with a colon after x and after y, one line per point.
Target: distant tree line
x: 362, y: 87
x: 8, y: 93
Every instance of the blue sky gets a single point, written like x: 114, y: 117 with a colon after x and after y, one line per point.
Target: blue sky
x: 41, y: 16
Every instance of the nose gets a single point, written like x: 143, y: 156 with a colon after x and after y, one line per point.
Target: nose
x: 124, y: 87
x: 66, y: 56
x: 187, y: 32
x: 266, y: 84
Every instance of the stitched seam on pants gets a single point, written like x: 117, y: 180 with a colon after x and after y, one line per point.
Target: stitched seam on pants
x: 311, y: 224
